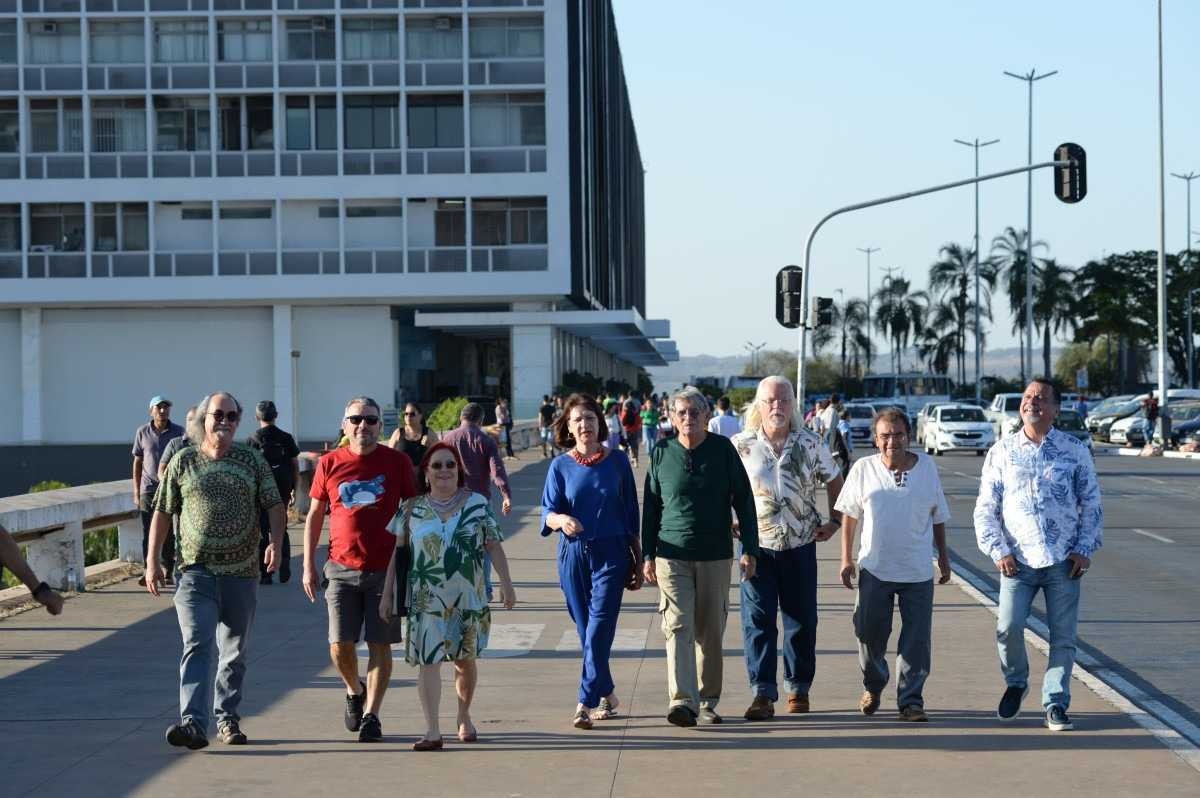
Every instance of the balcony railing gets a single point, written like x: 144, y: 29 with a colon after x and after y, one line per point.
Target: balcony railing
x: 373, y: 162
x: 100, y: 6
x: 307, y: 74
x: 53, y: 166
x: 68, y: 77
x: 507, y: 72
x: 255, y: 75
x: 123, y: 76
x: 57, y: 264
x: 508, y: 159
x: 243, y: 263
x: 182, y: 164
x: 307, y: 261
x: 371, y: 73
x: 437, y: 259
x: 436, y: 162
x: 178, y: 76
x: 10, y: 265
x: 374, y: 261
x: 434, y: 73
x: 259, y: 163
x: 510, y: 258
x: 119, y: 165
x: 309, y: 164
x: 120, y: 264
x: 10, y: 167
x: 183, y: 264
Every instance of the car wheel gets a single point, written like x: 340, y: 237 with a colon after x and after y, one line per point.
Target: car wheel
x: 980, y: 453
x: 938, y: 452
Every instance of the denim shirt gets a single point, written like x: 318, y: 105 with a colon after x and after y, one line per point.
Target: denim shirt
x: 1039, y: 502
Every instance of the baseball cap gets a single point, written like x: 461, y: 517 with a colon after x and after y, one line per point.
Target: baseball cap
x: 160, y: 400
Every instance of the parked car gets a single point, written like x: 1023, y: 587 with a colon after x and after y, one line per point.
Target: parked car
x: 1185, y: 420
x: 862, y: 417
x: 1107, y: 410
x: 1119, y: 431
x: 1070, y: 422
x: 1003, y: 409
x: 923, y: 419
x: 958, y: 427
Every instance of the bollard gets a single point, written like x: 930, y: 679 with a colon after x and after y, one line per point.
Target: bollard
x: 58, y: 556
x: 129, y: 541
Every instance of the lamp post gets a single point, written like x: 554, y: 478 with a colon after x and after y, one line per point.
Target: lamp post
x: 1191, y: 354
x: 1188, y: 178
x: 868, y: 250
x: 754, y: 350
x: 1165, y: 412
x: 978, y: 376
x: 1027, y: 351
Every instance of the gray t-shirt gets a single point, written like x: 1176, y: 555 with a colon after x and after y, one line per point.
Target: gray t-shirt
x: 148, y: 444
x: 172, y: 449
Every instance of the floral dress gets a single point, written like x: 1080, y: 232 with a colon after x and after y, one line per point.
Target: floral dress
x: 448, y: 617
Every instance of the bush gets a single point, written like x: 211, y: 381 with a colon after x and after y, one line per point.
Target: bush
x: 740, y: 397
x: 48, y: 484
x: 445, y: 416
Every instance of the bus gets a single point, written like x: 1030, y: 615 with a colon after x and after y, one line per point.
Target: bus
x: 909, y: 390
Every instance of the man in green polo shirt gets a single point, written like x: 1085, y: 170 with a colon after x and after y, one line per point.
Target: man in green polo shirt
x: 692, y: 483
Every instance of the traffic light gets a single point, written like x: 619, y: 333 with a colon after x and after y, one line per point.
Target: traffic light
x: 789, y: 296
x: 1070, y: 182
x: 822, y: 311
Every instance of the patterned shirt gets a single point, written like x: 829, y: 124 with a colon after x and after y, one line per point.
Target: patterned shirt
x: 785, y: 485
x: 1039, y: 502
x: 218, y: 502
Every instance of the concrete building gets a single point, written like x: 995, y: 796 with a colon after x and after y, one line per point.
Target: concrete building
x: 308, y: 199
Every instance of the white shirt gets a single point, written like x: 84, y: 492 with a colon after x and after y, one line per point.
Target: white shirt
x: 725, y: 424
x: 896, y: 523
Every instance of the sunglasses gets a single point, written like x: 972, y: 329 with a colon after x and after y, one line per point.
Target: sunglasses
x: 449, y: 465
x: 220, y: 416
x: 370, y: 421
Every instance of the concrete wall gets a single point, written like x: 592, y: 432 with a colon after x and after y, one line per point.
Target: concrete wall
x: 10, y: 383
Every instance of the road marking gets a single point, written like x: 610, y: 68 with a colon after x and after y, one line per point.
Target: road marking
x: 512, y: 639
x: 1152, y: 479
x: 968, y: 476
x: 625, y: 640
x: 1152, y: 535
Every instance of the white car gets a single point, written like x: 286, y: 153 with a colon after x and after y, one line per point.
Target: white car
x: 1004, y: 408
x: 923, y: 419
x: 862, y: 417
x: 958, y: 428
x: 1119, y: 432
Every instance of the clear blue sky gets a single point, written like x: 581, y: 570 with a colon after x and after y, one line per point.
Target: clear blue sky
x: 756, y: 119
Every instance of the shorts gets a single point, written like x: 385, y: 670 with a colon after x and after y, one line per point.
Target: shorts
x: 547, y: 434
x: 352, y: 598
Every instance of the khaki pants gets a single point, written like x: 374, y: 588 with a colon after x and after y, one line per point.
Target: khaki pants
x: 694, y: 602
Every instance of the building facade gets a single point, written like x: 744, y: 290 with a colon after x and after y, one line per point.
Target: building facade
x: 307, y: 199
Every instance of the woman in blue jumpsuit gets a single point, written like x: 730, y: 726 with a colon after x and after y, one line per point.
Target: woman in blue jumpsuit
x: 591, y: 499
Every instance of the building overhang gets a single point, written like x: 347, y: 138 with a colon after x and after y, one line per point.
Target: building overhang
x: 622, y: 333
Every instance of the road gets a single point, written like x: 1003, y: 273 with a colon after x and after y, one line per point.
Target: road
x: 1140, y: 614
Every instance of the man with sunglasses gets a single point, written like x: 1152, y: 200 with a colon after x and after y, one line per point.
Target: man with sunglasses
x: 361, y: 485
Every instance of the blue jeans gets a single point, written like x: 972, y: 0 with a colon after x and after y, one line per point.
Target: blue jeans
x: 1062, y: 616
x: 784, y: 581
x: 592, y: 575
x: 649, y: 435
x: 215, y: 614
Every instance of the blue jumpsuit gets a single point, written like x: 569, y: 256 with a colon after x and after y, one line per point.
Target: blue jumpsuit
x: 594, y: 566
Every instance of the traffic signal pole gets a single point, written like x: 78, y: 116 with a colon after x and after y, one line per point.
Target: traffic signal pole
x: 858, y: 206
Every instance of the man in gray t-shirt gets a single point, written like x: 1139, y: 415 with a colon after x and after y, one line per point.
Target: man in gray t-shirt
x: 148, y: 444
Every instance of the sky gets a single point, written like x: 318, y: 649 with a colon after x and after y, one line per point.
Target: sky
x: 754, y: 120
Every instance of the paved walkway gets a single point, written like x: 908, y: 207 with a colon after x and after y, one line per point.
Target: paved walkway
x: 87, y: 696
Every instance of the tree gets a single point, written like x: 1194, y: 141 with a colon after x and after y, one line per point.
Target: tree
x: 938, y: 339
x: 952, y: 276
x: 1054, y: 305
x: 1009, y: 256
x: 899, y: 314
x: 851, y: 319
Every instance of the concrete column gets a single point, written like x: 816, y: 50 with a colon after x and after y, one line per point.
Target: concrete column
x: 31, y: 375
x: 283, y: 393
x: 56, y: 555
x: 532, y: 368
x: 129, y: 540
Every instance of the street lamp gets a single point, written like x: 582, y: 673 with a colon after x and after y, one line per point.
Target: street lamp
x: 1165, y: 413
x: 1188, y: 178
x: 868, y: 250
x: 1191, y: 355
x: 976, y: 145
x: 754, y: 350
x: 1027, y: 352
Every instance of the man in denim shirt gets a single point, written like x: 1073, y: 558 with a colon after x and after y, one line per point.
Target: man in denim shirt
x: 1039, y: 518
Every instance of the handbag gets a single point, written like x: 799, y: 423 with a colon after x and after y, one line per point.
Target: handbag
x: 403, y: 559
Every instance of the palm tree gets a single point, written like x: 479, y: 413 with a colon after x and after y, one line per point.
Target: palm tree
x: 851, y: 317
x: 1055, y: 306
x: 938, y: 340
x: 952, y: 276
x: 899, y: 314
x: 1009, y: 255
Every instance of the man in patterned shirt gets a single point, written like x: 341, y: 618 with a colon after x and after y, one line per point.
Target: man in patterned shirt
x: 1039, y: 518
x: 217, y: 488
x: 785, y: 462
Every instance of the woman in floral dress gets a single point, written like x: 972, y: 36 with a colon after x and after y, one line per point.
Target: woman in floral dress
x: 448, y: 527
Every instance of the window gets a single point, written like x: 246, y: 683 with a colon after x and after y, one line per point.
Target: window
x: 8, y: 41
x: 182, y: 124
x: 196, y: 213
x: 372, y: 121
x: 435, y: 120
x: 56, y: 125
x: 120, y: 227
x: 512, y: 37
x: 374, y: 211
x: 310, y: 40
x: 119, y: 125
x: 246, y: 212
x: 52, y: 42
x: 116, y: 42
x: 245, y: 123
x: 508, y: 120
x: 244, y: 40
x: 309, y: 119
x: 500, y: 222
x: 370, y: 39
x: 450, y: 224
x: 10, y: 228
x: 181, y: 42
x: 56, y: 228
x: 438, y: 39
x: 10, y: 126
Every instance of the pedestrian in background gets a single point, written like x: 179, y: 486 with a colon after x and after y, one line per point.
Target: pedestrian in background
x: 149, y: 442
x: 505, y: 421
x: 726, y: 422
x: 282, y: 455
x: 413, y: 437
x: 649, y: 419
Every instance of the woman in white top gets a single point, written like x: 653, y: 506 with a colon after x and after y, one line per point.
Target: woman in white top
x: 896, y: 497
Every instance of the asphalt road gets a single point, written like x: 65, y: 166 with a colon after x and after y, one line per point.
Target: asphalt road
x: 1140, y: 610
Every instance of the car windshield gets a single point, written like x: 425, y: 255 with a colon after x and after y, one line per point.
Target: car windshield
x: 949, y: 414
x: 860, y: 411
x: 1012, y: 403
x: 1185, y: 412
x: 1068, y: 420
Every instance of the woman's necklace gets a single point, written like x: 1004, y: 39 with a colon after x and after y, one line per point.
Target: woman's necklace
x: 588, y: 459
x: 444, y: 507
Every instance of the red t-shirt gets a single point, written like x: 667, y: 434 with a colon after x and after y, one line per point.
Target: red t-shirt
x: 363, y: 494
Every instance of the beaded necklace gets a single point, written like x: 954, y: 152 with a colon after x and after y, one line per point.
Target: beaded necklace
x: 587, y: 460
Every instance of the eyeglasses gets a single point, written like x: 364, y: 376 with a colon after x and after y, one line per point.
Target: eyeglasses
x: 220, y: 416
x: 370, y: 421
x: 895, y: 436
x: 689, y: 412
x: 449, y: 465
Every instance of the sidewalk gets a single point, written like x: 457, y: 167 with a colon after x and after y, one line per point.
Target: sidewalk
x: 88, y: 695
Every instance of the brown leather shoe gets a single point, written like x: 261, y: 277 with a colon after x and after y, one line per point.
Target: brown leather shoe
x: 869, y: 702
x: 913, y: 714
x: 761, y: 708
x: 797, y: 702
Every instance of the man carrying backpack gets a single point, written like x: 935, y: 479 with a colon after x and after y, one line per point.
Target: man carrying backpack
x: 281, y: 453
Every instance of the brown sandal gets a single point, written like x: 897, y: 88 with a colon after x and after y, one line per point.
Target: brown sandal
x: 428, y: 745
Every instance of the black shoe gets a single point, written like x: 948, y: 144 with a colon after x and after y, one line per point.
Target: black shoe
x: 230, y: 733
x: 1010, y: 702
x: 1057, y: 719
x: 354, y: 709
x: 681, y: 716
x: 371, y: 731
x: 187, y: 734
x: 709, y: 716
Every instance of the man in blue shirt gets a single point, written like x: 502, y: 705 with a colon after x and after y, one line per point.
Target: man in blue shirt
x: 1039, y: 518
x: 149, y: 442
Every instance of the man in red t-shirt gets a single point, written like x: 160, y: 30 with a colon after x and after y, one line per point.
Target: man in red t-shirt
x: 362, y: 486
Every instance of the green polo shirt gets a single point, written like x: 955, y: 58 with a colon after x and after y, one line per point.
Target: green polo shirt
x: 686, y: 511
